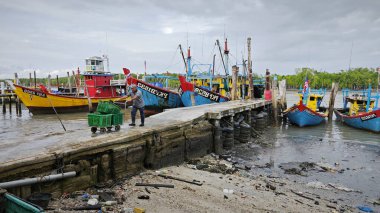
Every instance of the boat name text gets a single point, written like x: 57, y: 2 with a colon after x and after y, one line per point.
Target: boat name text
x: 161, y: 94
x: 368, y: 117
x: 33, y: 92
x: 207, y: 94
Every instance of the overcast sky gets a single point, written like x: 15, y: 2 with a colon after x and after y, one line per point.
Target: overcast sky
x: 56, y: 36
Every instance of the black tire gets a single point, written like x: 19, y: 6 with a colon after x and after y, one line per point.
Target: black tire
x: 102, y: 130
x: 117, y: 127
x: 109, y: 129
x: 94, y: 129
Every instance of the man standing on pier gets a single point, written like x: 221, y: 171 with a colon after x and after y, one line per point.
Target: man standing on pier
x: 138, y: 104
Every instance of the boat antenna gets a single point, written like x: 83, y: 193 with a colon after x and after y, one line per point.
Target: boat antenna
x: 221, y: 56
x: 349, y: 64
x: 183, y: 57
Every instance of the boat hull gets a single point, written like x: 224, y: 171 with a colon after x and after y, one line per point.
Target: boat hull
x: 39, y: 102
x: 192, y: 95
x: 156, y: 98
x: 302, y: 116
x: 367, y: 121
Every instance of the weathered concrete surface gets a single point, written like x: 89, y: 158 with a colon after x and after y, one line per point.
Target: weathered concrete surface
x: 167, y: 139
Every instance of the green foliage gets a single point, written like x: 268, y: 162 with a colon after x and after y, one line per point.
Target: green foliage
x: 358, y: 78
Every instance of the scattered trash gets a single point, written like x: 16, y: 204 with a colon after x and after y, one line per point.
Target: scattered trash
x: 342, y: 188
x: 364, y: 208
x: 40, y: 199
x: 138, y: 210
x: 228, y: 191
x: 92, y: 201
x: 143, y: 197
x: 317, y: 185
x: 195, y: 182
x: 156, y: 185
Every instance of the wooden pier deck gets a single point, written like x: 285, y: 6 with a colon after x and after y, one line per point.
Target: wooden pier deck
x: 163, y: 141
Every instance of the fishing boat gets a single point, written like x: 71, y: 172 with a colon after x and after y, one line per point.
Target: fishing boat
x: 98, y: 86
x: 360, y: 111
x: 156, y: 97
x: 308, y: 112
x: 206, y: 87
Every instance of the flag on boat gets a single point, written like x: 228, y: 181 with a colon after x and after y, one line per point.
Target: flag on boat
x: 305, y: 86
x: 127, y: 72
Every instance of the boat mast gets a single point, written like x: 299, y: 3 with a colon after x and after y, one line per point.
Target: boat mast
x: 221, y: 56
x: 183, y: 57
x: 226, y: 51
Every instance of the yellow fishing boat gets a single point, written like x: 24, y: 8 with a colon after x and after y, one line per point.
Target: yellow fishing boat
x: 99, y: 86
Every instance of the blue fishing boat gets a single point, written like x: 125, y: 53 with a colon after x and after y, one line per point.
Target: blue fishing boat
x: 360, y: 111
x: 192, y: 95
x: 308, y: 112
x: 156, y: 97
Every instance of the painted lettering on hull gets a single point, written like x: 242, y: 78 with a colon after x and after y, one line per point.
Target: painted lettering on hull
x: 206, y: 94
x: 33, y: 92
x: 368, y: 117
x: 154, y: 91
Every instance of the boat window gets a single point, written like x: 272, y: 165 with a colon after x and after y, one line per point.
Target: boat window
x: 312, y: 98
x: 93, y: 63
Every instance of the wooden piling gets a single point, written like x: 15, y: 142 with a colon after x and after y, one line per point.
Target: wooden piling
x: 30, y: 79
x: 35, y: 80
x: 250, y: 77
x: 69, y: 82
x: 282, y: 91
x: 19, y: 106
x: 10, y: 104
x: 2, y: 87
x: 274, y: 101
x: 16, y: 79
x: 235, y: 72
x: 49, y: 82
x: 218, y: 143
x: 334, y: 91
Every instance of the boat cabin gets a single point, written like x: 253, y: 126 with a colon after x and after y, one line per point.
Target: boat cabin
x: 313, y: 101
x: 97, y: 81
x: 358, y: 104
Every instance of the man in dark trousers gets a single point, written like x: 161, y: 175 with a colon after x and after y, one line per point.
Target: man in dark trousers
x: 138, y: 104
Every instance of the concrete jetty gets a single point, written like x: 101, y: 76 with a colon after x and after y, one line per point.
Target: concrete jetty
x: 168, y: 138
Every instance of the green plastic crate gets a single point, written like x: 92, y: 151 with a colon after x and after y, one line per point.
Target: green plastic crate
x: 100, y: 120
x: 117, y: 119
x: 107, y: 107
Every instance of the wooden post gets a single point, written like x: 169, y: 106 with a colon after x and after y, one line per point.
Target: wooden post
x: 16, y: 79
x: 30, y: 80
x: 282, y: 91
x: 35, y: 80
x: 274, y: 101
x: 218, y: 143
x: 68, y: 80
x: 2, y: 85
x: 334, y: 91
x: 49, y: 82
x: 19, y: 106
x: 235, y: 72
x: 250, y: 77
x: 10, y: 104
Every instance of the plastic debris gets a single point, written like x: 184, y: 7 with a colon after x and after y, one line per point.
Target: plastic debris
x: 92, y: 201
x: 365, y: 209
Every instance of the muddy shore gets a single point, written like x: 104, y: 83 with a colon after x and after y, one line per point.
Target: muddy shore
x: 220, y: 186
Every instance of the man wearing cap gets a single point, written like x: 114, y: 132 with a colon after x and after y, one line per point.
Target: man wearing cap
x: 138, y: 104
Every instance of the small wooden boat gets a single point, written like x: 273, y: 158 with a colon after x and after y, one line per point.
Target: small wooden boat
x: 308, y: 112
x: 156, y: 98
x: 99, y: 86
x: 360, y: 111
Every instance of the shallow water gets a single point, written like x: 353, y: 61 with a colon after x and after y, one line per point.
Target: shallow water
x: 355, y: 151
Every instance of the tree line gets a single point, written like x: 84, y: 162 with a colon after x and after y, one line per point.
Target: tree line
x: 357, y: 78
